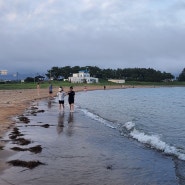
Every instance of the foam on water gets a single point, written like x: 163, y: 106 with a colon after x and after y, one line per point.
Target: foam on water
x: 153, y: 141
x: 98, y: 118
x: 129, y: 129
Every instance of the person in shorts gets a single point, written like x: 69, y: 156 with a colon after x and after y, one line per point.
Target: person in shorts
x: 71, y: 97
x: 61, y: 94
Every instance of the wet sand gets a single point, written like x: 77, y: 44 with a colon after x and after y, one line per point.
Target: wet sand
x: 79, y: 150
x: 14, y: 102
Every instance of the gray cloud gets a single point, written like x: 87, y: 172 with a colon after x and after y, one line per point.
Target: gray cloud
x: 36, y: 35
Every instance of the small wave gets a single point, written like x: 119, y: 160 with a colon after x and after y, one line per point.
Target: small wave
x: 153, y: 141
x: 98, y: 118
x: 129, y: 129
x: 129, y: 125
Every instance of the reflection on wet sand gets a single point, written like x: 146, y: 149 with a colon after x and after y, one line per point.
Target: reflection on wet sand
x: 60, y: 126
x: 70, y: 130
x: 49, y: 104
x: 70, y: 118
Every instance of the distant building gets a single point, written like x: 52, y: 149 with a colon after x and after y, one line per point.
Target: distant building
x: 119, y: 81
x: 3, y: 72
x: 82, y: 77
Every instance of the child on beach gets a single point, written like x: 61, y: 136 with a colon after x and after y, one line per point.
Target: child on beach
x: 71, y: 95
x: 61, y: 94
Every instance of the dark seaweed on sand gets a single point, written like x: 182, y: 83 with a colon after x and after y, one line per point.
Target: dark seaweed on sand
x: 109, y: 167
x: 15, y: 133
x: 45, y: 125
x: 24, y: 119
x: 34, y: 111
x: 19, y: 149
x: 26, y: 164
x: 34, y: 108
x: 35, y: 149
x: 22, y: 141
x: 40, y: 111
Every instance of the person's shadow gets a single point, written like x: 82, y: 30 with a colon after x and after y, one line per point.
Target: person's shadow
x: 60, y: 126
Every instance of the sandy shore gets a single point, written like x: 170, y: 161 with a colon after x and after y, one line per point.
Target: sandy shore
x: 82, y: 151
x: 14, y: 102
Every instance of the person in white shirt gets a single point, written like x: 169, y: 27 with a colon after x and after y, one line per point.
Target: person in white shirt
x: 61, y: 94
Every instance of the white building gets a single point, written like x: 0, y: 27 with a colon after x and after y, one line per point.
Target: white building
x: 82, y: 77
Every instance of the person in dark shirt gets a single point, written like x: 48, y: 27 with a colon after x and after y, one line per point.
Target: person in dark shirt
x: 71, y: 97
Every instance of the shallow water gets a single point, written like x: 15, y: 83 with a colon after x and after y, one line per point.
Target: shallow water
x: 154, y: 116
x: 97, y: 144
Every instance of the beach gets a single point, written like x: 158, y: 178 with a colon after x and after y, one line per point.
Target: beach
x: 14, y: 102
x: 83, y: 147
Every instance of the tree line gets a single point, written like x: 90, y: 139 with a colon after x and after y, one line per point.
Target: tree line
x: 182, y: 75
x: 129, y: 74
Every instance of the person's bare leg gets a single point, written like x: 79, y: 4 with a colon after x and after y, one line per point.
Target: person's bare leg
x: 72, y: 107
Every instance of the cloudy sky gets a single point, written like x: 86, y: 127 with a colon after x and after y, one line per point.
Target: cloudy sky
x: 36, y: 35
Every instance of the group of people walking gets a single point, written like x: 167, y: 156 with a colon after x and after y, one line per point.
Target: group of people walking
x: 61, y: 94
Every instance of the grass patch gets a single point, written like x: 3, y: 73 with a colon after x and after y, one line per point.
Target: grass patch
x: 44, y: 85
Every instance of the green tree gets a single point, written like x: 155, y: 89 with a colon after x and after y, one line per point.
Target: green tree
x: 66, y: 71
x: 55, y: 73
x: 94, y: 71
x: 182, y: 75
x: 75, y: 69
x: 129, y: 74
x: 29, y: 79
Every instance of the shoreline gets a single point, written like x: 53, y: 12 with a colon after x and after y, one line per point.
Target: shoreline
x: 83, y: 151
x: 15, y: 102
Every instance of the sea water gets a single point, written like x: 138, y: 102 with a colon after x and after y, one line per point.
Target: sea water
x: 153, y: 116
x: 131, y: 136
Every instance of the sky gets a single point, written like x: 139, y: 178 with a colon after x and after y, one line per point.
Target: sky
x: 36, y: 35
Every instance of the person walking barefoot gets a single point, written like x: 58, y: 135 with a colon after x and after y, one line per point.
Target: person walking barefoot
x: 61, y: 94
x: 71, y: 97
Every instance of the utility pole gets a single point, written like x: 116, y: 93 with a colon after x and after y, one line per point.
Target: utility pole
x: 17, y: 74
x: 34, y: 78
